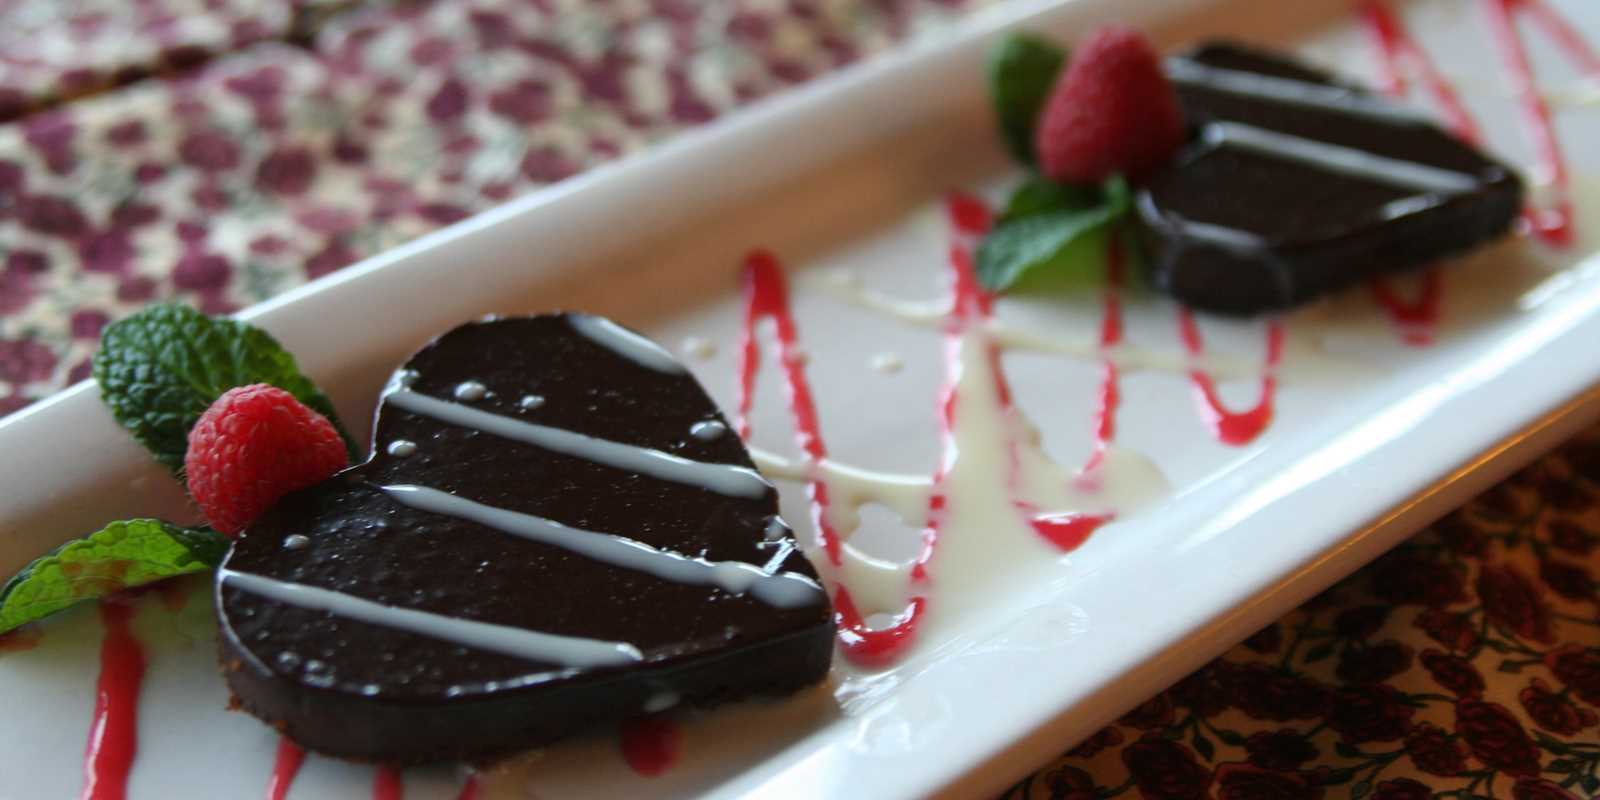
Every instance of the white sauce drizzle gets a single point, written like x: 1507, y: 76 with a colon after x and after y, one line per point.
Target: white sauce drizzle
x: 567, y: 651
x: 1290, y: 92
x: 625, y: 343
x: 725, y: 479
x: 1129, y: 358
x: 782, y: 590
x: 696, y: 347
x: 1338, y: 158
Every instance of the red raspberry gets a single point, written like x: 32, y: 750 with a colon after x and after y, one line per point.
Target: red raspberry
x: 1112, y: 110
x: 254, y: 445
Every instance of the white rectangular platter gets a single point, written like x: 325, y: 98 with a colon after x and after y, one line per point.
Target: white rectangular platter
x: 1027, y: 649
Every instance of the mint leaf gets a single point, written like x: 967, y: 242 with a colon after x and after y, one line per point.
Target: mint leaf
x: 1022, y: 71
x: 1039, y: 195
x: 161, y: 368
x: 120, y: 556
x: 1051, y: 238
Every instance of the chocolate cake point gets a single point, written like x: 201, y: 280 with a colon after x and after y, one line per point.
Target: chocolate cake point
x: 501, y: 573
x: 1296, y: 185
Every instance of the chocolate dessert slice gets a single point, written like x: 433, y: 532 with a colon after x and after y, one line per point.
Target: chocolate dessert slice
x: 556, y: 528
x: 1296, y: 185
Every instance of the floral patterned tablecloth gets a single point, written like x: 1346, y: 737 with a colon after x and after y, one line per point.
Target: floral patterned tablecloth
x: 284, y: 139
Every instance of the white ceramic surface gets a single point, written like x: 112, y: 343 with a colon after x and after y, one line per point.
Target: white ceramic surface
x: 1372, y: 438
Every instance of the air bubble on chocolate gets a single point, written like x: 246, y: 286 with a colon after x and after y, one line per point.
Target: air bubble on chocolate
x: 660, y: 701
x: 708, y: 430
x: 295, y: 541
x: 702, y: 349
x: 471, y: 391
x: 401, y: 448
x: 530, y: 401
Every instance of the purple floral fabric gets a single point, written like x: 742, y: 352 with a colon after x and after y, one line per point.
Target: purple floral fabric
x: 244, y: 177
x: 1465, y: 664
x: 52, y: 51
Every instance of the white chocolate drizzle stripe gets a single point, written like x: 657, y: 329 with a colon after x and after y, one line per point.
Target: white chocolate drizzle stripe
x: 567, y: 651
x: 1337, y: 158
x: 625, y: 343
x: 725, y: 479
x: 782, y: 590
x: 1289, y: 91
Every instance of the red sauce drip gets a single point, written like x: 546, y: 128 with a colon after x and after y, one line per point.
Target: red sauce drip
x: 651, y: 744
x: 1105, y: 412
x: 1416, y: 320
x: 767, y: 297
x: 114, y: 731
x: 875, y: 647
x: 387, y: 784
x: 1396, y: 47
x: 1553, y: 224
x: 1563, y: 34
x: 24, y: 638
x: 1232, y: 427
x: 471, y: 789
x: 1068, y: 531
x: 284, y: 768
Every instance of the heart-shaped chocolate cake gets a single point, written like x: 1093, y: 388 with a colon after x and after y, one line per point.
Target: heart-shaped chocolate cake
x: 556, y: 527
x: 1297, y: 185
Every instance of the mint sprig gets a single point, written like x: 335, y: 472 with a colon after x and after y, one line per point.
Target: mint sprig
x: 161, y: 368
x: 1052, y: 233
x: 120, y: 556
x: 1022, y: 71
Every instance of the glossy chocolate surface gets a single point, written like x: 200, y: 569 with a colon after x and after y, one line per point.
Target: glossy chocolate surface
x: 375, y: 693
x: 1238, y: 230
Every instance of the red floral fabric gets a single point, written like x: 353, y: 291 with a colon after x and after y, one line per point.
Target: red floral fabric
x: 51, y: 52
x: 1465, y: 664
x: 244, y: 177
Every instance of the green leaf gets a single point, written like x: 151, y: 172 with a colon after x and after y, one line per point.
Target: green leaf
x: 1590, y: 784
x: 1022, y: 71
x: 1056, y: 246
x: 1040, y: 195
x: 1203, y: 746
x: 1360, y: 789
x: 120, y: 556
x: 1562, y: 766
x: 1510, y: 665
x: 161, y: 368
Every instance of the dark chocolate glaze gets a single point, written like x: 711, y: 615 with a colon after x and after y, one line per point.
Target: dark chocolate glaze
x: 366, y: 692
x: 1317, y: 230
